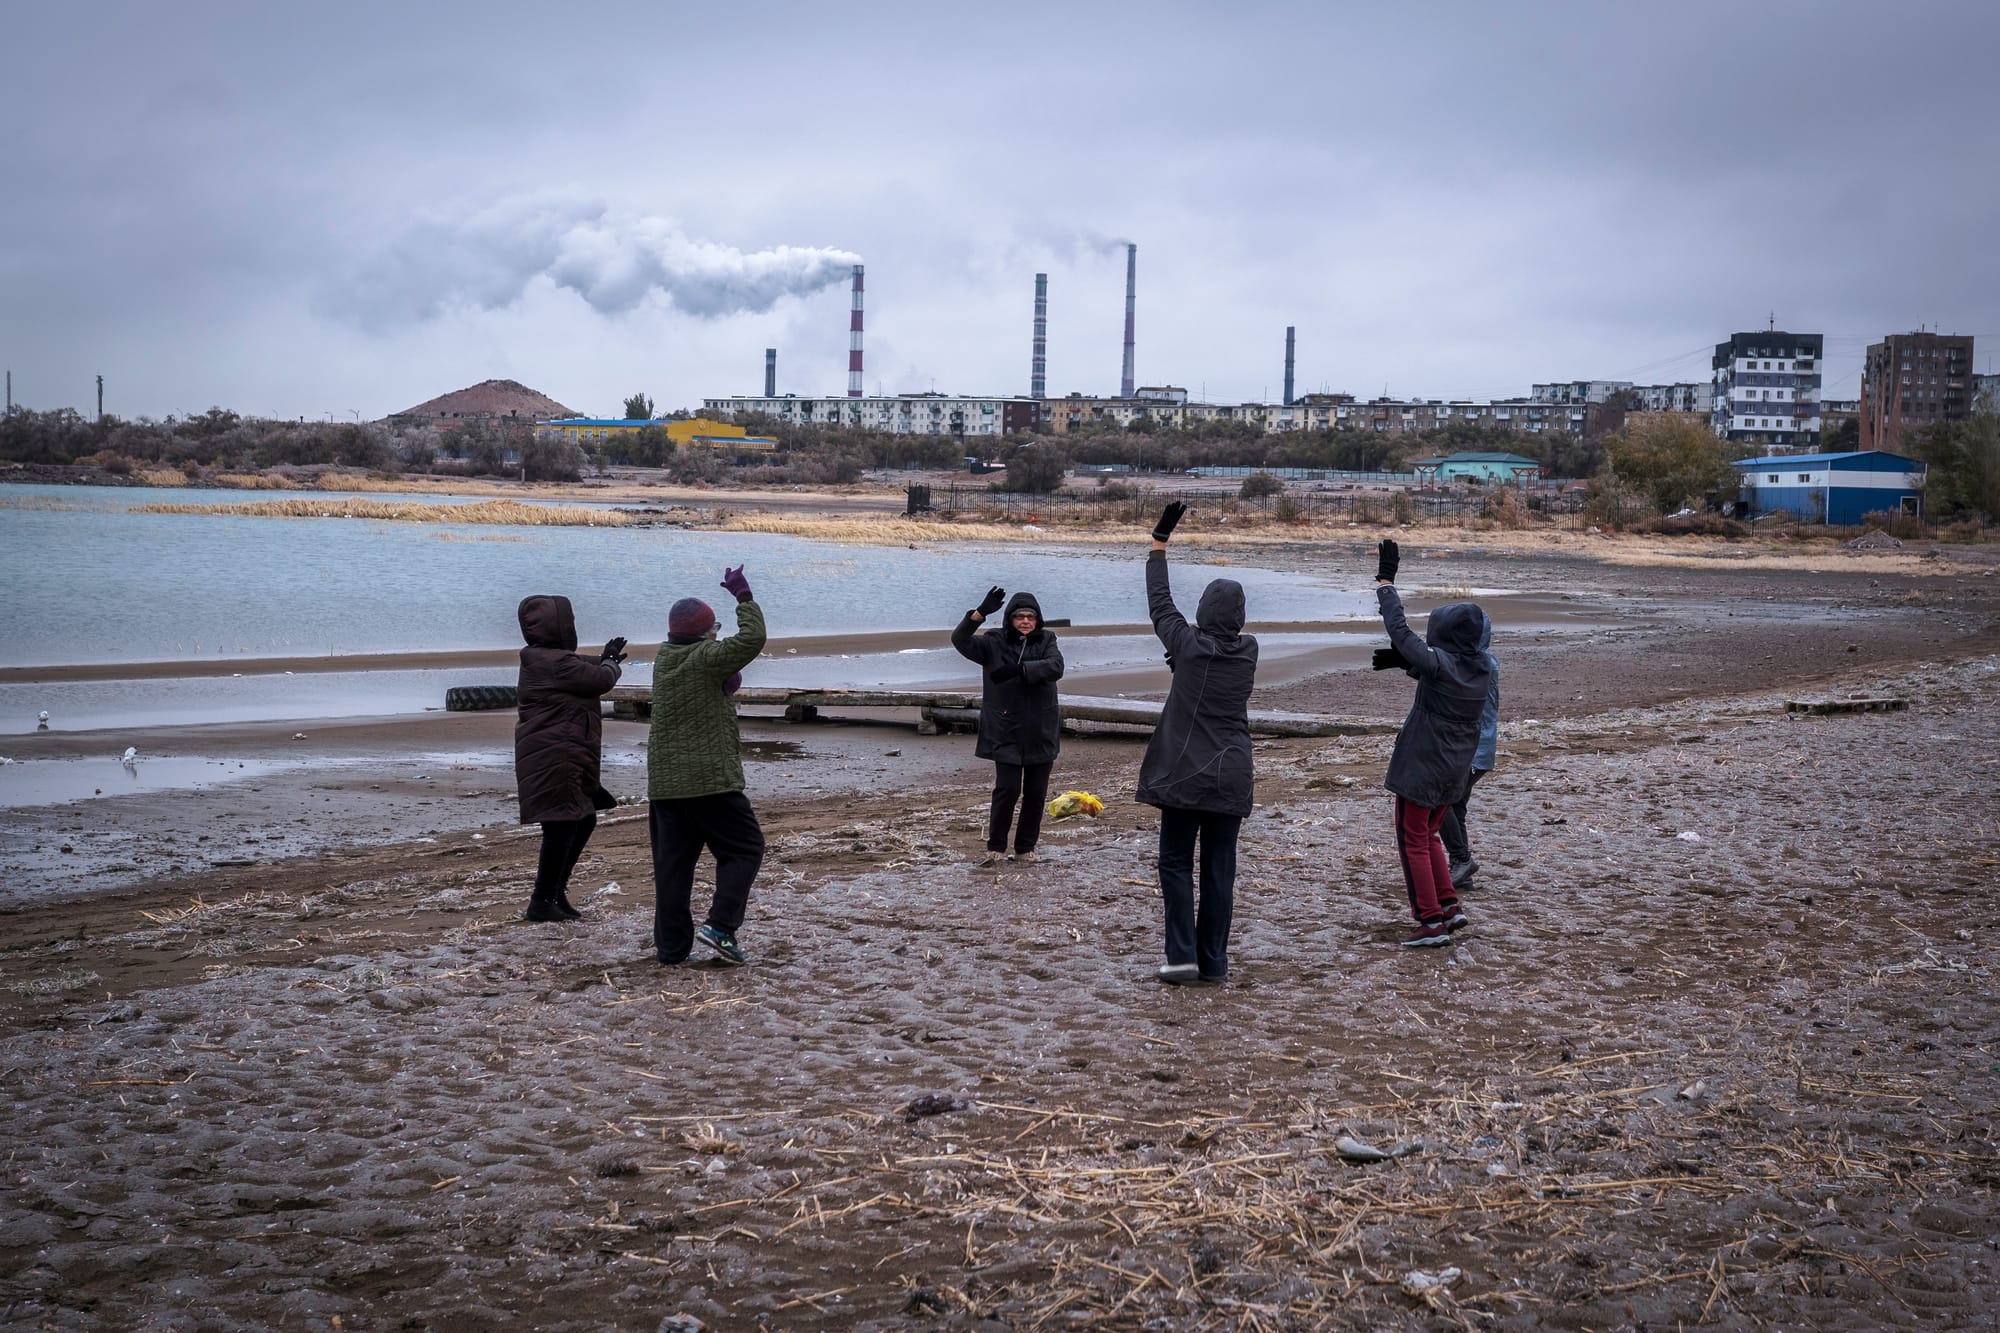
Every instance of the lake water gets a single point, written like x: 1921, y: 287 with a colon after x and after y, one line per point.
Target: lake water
x: 84, y: 579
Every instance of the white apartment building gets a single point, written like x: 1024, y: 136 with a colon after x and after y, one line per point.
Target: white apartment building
x: 1767, y: 389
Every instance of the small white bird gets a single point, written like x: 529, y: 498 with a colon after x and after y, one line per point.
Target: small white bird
x: 131, y: 755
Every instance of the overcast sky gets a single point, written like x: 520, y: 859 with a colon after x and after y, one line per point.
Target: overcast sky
x: 304, y: 210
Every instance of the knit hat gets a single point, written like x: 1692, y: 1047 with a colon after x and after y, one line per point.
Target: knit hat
x: 690, y: 616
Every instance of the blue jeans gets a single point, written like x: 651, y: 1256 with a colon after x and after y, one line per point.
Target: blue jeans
x: 1199, y: 936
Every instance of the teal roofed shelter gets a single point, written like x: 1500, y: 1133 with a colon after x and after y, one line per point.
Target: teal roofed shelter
x: 1832, y: 488
x: 1506, y: 469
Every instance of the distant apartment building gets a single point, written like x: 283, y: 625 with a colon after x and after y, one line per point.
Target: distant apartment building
x: 1835, y: 413
x: 1912, y: 379
x: 896, y: 414
x: 1696, y: 398
x: 1636, y: 397
x: 1767, y: 389
x: 1986, y: 393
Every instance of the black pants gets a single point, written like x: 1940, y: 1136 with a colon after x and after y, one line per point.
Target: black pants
x: 1456, y: 844
x: 562, y: 847
x: 1199, y: 936
x: 726, y: 825
x: 1028, y: 784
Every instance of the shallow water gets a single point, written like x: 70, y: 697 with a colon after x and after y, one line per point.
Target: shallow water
x: 84, y: 579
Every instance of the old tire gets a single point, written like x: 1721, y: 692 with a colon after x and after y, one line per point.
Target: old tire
x: 478, y: 698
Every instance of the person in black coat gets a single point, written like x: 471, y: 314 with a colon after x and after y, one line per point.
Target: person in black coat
x: 1431, y: 766
x: 557, y: 745
x: 1020, y: 728
x: 1197, y: 768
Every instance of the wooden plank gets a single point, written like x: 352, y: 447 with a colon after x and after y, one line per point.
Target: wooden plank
x: 953, y: 708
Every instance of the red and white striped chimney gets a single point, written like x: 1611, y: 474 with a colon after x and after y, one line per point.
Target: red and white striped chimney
x: 854, y: 341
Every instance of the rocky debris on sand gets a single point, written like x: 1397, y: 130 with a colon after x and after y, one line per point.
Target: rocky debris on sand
x: 932, y: 1103
x: 1354, y: 1150
x: 1875, y: 541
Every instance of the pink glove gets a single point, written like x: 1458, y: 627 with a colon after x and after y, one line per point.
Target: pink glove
x: 738, y: 586
x: 733, y: 684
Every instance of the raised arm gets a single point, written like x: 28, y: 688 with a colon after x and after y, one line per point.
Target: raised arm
x: 584, y: 678
x: 965, y: 634
x: 1420, y: 657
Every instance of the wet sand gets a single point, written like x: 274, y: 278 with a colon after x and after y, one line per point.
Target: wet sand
x: 1720, y: 1046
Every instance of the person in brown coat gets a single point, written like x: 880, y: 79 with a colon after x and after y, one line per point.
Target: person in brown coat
x: 557, y: 745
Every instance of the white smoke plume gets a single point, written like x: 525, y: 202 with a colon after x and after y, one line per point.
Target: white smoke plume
x: 613, y: 261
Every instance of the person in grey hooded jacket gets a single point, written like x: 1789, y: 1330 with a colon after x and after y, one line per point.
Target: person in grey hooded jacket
x: 1197, y: 768
x: 1020, y: 726
x: 1432, y: 761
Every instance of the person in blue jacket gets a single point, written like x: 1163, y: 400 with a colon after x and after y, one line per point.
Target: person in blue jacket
x: 1457, y: 846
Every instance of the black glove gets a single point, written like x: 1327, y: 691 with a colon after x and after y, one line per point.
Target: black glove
x: 1387, y: 560
x: 991, y: 601
x: 1169, y: 517
x: 1170, y: 662
x: 614, y: 651
x: 1008, y: 672
x: 1388, y: 659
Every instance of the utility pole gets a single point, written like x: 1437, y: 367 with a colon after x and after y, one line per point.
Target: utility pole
x: 10, y: 391
x: 100, y: 397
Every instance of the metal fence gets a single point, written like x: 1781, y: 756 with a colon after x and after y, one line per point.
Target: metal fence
x: 1119, y: 504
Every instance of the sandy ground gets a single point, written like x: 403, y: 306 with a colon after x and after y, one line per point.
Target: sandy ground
x: 1721, y: 1046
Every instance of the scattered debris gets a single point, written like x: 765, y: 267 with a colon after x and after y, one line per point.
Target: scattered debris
x: 1354, y: 1150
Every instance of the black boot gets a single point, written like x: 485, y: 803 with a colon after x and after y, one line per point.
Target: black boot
x: 566, y: 907
x: 543, y: 909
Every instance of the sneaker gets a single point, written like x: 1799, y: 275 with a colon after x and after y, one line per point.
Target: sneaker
x: 1179, y: 974
x: 1023, y: 858
x: 1429, y: 935
x: 991, y: 859
x: 1455, y: 918
x: 720, y: 943
x: 1461, y: 871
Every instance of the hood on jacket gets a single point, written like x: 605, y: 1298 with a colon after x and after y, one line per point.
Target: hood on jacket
x: 1220, y: 611
x: 1485, y: 631
x: 548, y: 622
x: 1020, y: 601
x: 1458, y: 628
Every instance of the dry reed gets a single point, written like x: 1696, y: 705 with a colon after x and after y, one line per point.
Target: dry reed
x: 507, y: 512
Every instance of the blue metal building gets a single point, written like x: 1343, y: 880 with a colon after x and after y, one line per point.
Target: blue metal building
x: 1833, y: 488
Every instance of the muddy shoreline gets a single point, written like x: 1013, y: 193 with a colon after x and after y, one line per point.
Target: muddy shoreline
x: 1721, y: 1047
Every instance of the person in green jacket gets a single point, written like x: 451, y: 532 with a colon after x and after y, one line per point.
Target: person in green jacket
x: 694, y: 776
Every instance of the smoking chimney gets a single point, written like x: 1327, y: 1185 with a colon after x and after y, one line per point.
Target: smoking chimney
x: 1038, y: 370
x: 770, y: 372
x: 1131, y: 283
x: 1290, y: 344
x: 854, y: 341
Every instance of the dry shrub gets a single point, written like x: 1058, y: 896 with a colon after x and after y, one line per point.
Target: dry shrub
x: 509, y: 512
x: 1965, y: 530
x: 1505, y: 509
x: 1903, y: 527
x: 255, y: 481
x: 1694, y: 525
x: 118, y: 465
x: 162, y: 476
x: 1402, y: 510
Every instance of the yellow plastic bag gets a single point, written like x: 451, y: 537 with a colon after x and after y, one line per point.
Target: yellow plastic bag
x: 1075, y: 803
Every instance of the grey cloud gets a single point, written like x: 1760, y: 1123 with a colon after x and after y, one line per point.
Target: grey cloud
x: 614, y: 261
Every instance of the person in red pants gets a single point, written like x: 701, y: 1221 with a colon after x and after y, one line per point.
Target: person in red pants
x: 1432, y: 762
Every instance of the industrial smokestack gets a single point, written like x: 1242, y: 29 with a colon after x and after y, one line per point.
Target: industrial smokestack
x: 854, y: 341
x: 1290, y: 345
x: 770, y: 372
x: 1131, y: 285
x: 1038, y: 370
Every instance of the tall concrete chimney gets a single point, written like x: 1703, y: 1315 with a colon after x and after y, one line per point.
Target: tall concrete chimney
x: 1038, y: 370
x: 854, y: 341
x: 770, y: 372
x: 1131, y: 286
x: 1290, y: 344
